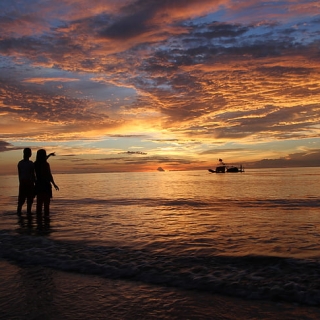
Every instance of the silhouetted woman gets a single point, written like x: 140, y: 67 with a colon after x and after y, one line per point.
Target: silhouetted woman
x: 44, y: 179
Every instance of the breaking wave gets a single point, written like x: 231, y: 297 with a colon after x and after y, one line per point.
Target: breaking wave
x: 250, y: 277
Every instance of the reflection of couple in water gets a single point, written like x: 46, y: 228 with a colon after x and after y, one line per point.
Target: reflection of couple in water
x: 35, y: 179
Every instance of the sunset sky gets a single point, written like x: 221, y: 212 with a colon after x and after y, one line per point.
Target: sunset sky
x: 124, y: 85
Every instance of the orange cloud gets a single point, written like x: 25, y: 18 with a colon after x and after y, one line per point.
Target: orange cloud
x: 44, y: 80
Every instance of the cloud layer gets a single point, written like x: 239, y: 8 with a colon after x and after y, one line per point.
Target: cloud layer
x: 195, y: 75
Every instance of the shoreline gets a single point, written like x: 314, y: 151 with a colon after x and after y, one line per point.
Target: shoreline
x: 36, y: 291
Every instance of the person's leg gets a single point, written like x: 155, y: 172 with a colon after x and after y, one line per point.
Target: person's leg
x: 30, y: 197
x: 26, y: 192
x: 46, y: 205
x: 20, y: 204
x: 29, y: 220
x: 21, y: 199
x: 40, y: 201
x: 29, y: 204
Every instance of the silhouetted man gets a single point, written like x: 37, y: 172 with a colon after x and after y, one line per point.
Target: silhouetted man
x: 26, y: 181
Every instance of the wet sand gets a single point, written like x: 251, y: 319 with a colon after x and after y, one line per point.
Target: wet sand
x: 35, y: 292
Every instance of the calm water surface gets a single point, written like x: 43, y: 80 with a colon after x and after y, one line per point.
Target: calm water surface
x: 254, y: 234
x: 268, y: 212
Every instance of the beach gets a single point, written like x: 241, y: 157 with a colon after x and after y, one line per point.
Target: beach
x: 35, y: 292
x: 168, y: 245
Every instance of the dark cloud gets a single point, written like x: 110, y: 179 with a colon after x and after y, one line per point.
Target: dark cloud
x: 219, y: 30
x: 25, y: 44
x: 281, y: 121
x: 280, y: 71
x: 138, y: 18
x: 133, y: 152
x: 309, y: 158
x: 134, y: 20
x: 6, y: 146
x: 170, y: 161
x: 219, y: 151
x: 147, y: 160
x: 127, y: 27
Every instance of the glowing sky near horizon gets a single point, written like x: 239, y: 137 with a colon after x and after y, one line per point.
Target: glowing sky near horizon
x: 136, y: 85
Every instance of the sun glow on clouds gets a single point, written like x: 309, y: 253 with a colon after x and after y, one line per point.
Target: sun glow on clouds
x: 44, y: 80
x: 183, y: 82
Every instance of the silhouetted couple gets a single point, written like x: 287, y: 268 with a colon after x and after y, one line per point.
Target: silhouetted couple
x: 35, y: 179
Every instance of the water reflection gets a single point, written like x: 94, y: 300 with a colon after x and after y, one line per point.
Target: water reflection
x: 260, y: 212
x: 34, y: 225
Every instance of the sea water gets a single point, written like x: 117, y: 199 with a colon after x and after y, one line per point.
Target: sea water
x: 253, y: 235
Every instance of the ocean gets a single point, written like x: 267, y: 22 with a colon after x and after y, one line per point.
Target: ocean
x: 165, y: 245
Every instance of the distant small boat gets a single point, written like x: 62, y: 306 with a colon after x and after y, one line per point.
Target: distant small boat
x: 222, y: 168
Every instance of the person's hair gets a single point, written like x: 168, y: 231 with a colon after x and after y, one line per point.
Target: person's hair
x: 27, y: 152
x: 41, y: 156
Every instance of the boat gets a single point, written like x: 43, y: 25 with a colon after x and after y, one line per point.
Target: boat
x: 222, y: 168
x: 233, y: 169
